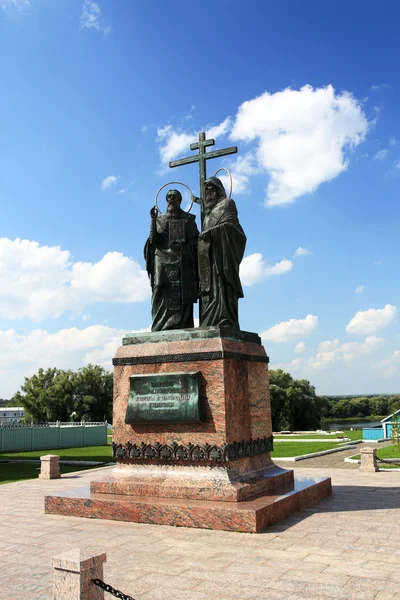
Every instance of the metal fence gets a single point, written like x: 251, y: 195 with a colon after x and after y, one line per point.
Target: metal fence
x: 43, y: 436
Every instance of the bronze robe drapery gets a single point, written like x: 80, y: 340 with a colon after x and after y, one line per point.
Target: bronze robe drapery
x: 173, y: 273
x: 221, y: 248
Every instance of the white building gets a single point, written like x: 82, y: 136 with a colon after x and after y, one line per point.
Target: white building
x: 11, y: 414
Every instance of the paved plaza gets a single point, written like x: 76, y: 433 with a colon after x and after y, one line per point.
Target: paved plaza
x: 346, y: 547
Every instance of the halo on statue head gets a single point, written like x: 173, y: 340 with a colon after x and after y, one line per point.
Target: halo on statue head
x: 174, y: 183
x: 230, y: 177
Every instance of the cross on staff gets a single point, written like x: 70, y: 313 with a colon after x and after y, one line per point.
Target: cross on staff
x: 201, y: 158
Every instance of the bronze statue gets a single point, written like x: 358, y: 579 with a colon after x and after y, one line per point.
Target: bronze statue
x: 220, y: 250
x: 171, y: 263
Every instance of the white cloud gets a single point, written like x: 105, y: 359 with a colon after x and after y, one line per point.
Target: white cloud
x: 290, y: 330
x: 254, y: 268
x: 381, y: 154
x: 300, y: 347
x: 302, y: 137
x: 122, y: 191
x: 390, y: 365
x: 328, y: 353
x: 331, y: 352
x: 22, y: 355
x: 241, y: 169
x: 372, y: 320
x: 354, y: 350
x: 91, y: 17
x: 302, y: 252
x: 172, y: 144
x: 293, y: 365
x: 42, y: 282
x: 393, y: 141
x: 109, y: 181
x: 360, y: 289
x: 379, y: 86
x: 397, y: 164
x: 219, y: 130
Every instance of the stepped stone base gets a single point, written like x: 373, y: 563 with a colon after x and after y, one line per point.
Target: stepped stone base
x: 249, y: 516
x: 225, y: 483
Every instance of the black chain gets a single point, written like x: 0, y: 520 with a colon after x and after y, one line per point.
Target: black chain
x: 108, y: 588
x: 388, y: 462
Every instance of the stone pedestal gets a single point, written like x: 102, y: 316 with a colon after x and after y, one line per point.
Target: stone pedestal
x: 368, y: 460
x: 49, y: 467
x: 73, y: 574
x: 204, y: 473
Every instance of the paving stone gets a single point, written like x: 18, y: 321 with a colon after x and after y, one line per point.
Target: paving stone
x: 335, y: 550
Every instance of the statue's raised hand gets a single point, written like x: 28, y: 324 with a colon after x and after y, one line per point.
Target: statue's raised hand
x: 154, y: 212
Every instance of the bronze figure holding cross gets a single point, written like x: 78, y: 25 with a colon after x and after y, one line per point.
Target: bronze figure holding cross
x: 221, y: 246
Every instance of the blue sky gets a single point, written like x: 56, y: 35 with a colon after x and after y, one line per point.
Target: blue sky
x: 98, y: 96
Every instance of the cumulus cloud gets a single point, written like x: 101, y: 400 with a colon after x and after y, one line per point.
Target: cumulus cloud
x: 287, y: 331
x: 397, y: 164
x: 381, y: 154
x: 293, y: 365
x: 241, y: 169
x: 42, y: 282
x: 174, y: 142
x: 393, y: 141
x: 302, y: 137
x: 255, y: 269
x: 302, y: 252
x: 91, y: 17
x: 300, y: 347
x: 390, y: 365
x: 354, y: 350
x: 22, y: 355
x: 360, y: 289
x: 331, y: 352
x: 219, y: 130
x: 372, y: 320
x: 108, y: 182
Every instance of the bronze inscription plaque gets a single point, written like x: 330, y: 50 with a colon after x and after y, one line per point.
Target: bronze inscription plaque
x: 164, y: 398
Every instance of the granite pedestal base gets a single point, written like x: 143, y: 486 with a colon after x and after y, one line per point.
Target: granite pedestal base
x: 215, y: 472
x: 249, y: 516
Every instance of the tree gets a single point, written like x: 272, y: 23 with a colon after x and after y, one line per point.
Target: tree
x: 294, y: 404
x: 395, y: 431
x: 47, y: 396
x: 55, y: 395
x: 94, y: 394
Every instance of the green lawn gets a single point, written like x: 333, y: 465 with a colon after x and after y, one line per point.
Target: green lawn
x: 11, y: 472
x: 97, y: 453
x: 293, y: 449
x: 385, y: 452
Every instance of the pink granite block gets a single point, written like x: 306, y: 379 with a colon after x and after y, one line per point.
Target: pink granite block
x: 252, y: 515
x: 368, y: 460
x: 49, y: 467
x: 73, y: 574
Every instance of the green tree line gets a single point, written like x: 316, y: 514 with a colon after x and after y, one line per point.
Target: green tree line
x: 295, y: 405
x: 58, y: 395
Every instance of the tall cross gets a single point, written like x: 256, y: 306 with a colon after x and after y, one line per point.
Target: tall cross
x: 201, y: 158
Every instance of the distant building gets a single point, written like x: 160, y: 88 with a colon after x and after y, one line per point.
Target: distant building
x: 11, y: 414
x: 380, y: 433
x: 387, y: 424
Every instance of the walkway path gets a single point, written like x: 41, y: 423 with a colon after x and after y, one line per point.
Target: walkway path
x: 330, y: 461
x: 347, y: 547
